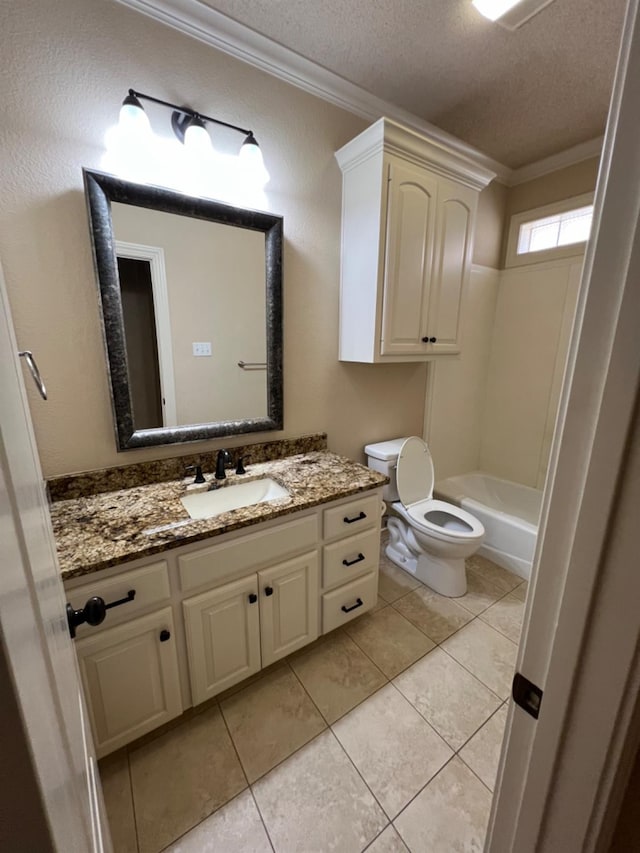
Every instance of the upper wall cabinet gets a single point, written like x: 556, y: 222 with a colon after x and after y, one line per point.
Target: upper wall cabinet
x: 408, y: 214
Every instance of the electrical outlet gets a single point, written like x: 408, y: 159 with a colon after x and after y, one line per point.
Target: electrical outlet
x: 202, y: 348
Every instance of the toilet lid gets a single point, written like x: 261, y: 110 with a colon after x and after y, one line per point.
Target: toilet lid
x: 415, y: 472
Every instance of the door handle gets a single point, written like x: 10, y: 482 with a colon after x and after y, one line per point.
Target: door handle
x: 33, y: 368
x: 358, y: 559
x: 358, y: 517
x: 94, y: 611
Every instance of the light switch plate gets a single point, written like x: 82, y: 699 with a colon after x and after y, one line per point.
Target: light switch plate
x: 202, y: 348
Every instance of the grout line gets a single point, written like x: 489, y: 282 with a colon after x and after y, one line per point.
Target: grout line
x: 373, y: 840
x: 133, y: 800
x: 471, y: 770
x: 260, y: 815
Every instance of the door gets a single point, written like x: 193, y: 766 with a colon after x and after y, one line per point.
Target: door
x: 35, y: 640
x: 223, y: 637
x: 130, y: 676
x: 562, y: 774
x: 288, y: 606
x: 451, y: 264
x: 410, y: 231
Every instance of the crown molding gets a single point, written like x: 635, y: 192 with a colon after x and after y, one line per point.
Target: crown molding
x: 390, y: 136
x: 569, y: 157
x: 196, y: 19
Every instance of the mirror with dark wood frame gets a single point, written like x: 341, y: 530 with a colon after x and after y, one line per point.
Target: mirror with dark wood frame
x: 191, y: 297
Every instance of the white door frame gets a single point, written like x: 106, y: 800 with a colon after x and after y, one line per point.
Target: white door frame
x: 560, y: 777
x: 155, y: 256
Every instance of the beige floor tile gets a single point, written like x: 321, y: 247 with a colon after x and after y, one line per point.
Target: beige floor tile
x: 521, y: 591
x: 269, y: 720
x: 380, y: 603
x: 389, y: 640
x: 388, y: 842
x: 481, y: 593
x: 498, y: 576
x: 118, y: 800
x: 451, y: 814
x: 235, y: 828
x: 337, y: 675
x: 437, y: 616
x: 392, y: 746
x: 394, y: 582
x: 454, y: 702
x: 315, y: 801
x: 506, y: 616
x: 482, y: 753
x: 487, y: 654
x: 182, y: 777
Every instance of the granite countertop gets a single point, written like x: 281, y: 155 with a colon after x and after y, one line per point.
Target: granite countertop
x: 107, y: 529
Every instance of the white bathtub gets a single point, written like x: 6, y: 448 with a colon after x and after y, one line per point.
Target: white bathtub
x: 509, y: 512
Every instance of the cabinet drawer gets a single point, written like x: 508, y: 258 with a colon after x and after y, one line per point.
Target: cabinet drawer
x: 209, y: 565
x: 348, y: 558
x: 151, y: 585
x: 348, y: 601
x: 347, y: 519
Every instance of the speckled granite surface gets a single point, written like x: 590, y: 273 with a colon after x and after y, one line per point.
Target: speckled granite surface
x: 159, y: 470
x: 107, y: 529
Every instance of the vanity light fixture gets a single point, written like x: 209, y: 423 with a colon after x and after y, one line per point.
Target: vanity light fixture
x: 190, y: 127
x: 510, y: 13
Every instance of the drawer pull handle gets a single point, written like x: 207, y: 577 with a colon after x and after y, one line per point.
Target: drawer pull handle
x: 359, y: 603
x: 252, y: 598
x: 359, y: 517
x: 164, y: 636
x: 94, y: 611
x: 358, y: 559
x: 268, y: 590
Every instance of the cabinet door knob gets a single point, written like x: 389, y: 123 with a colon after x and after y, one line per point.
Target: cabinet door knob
x: 432, y: 340
x: 252, y: 598
x: 164, y: 636
x: 268, y: 590
x: 425, y: 340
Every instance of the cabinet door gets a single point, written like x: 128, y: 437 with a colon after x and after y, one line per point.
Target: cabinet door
x: 288, y: 606
x: 130, y: 678
x: 451, y: 264
x: 223, y: 637
x: 410, y: 230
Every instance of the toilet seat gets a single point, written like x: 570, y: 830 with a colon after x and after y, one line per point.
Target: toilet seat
x: 415, y: 478
x: 464, y: 526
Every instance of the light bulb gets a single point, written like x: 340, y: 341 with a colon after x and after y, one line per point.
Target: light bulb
x: 494, y: 9
x: 133, y: 119
x: 196, y: 138
x: 252, y: 162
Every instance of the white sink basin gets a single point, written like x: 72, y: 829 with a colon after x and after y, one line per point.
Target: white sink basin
x: 208, y: 504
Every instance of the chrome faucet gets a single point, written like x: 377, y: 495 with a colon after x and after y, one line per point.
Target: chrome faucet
x: 223, y: 458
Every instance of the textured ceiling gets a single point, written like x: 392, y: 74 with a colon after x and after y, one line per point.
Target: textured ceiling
x: 518, y: 96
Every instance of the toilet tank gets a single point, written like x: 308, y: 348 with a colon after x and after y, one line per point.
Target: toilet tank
x: 383, y: 457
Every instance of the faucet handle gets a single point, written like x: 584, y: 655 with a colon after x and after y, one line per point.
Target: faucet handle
x: 239, y: 466
x: 199, y: 478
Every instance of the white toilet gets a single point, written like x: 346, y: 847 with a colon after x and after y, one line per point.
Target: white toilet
x: 427, y: 538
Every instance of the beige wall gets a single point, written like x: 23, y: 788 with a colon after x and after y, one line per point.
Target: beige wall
x: 490, y: 225
x: 66, y: 67
x: 216, y: 293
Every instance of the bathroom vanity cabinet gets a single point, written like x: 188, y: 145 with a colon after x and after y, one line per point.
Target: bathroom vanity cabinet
x: 408, y: 215
x: 207, y: 615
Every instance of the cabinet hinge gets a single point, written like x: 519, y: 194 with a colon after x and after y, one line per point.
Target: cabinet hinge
x: 527, y: 695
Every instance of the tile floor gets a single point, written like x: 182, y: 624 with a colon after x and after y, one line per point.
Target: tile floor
x: 384, y: 736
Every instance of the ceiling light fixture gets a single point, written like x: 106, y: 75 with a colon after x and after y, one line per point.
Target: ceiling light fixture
x: 190, y: 127
x: 510, y: 13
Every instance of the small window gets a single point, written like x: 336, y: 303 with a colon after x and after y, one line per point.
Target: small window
x: 550, y: 232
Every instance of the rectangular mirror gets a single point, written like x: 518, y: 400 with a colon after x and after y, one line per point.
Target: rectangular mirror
x: 191, y: 295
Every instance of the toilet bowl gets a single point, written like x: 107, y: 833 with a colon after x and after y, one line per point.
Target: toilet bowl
x: 428, y: 538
